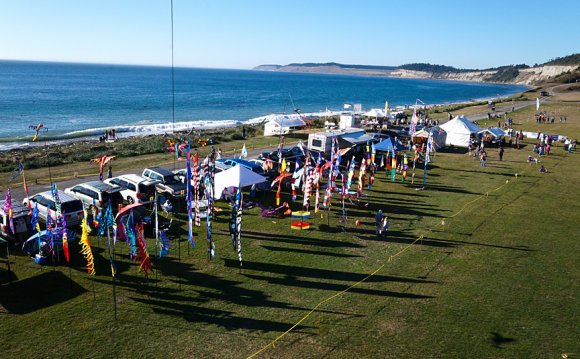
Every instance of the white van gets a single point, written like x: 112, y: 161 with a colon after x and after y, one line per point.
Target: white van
x: 96, y: 193
x: 20, y: 218
x: 72, y: 207
x: 134, y: 188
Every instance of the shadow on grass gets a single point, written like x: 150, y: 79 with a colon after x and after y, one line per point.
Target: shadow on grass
x: 452, y: 242
x: 451, y: 149
x: 327, y: 243
x: 482, y: 172
x: 448, y: 189
x: 39, y: 292
x: 222, y: 318
x: 401, y: 238
x: 307, y: 251
x: 335, y: 287
x: 497, y: 340
x: 297, y: 271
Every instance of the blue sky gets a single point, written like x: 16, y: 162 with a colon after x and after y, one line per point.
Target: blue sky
x: 244, y: 34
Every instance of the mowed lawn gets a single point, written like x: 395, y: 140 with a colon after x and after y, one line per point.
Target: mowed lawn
x: 495, y: 275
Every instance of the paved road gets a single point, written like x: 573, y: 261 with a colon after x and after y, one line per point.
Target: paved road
x: 17, y: 191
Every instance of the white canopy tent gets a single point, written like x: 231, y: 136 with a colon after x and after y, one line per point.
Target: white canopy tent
x: 281, y: 124
x: 459, y: 131
x: 439, y: 136
x: 495, y: 132
x: 237, y: 176
x: 376, y: 112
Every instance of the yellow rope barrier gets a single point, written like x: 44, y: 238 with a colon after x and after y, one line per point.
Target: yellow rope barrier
x: 273, y: 343
x: 390, y: 259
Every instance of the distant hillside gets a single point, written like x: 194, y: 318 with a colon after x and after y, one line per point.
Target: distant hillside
x: 562, y: 69
x: 344, y: 66
x: 573, y: 59
x: 430, y: 68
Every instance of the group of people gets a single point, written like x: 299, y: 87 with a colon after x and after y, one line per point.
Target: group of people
x: 108, y: 135
x: 543, y: 117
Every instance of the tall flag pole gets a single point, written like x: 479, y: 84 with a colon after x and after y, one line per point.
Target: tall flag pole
x: 393, y: 165
x: 244, y: 153
x: 281, y: 177
x: 308, y: 180
x: 209, y: 191
x: 189, y: 197
x: 427, y: 158
x: 196, y: 188
x: 8, y: 210
x: 414, y: 121
x: 328, y: 192
x: 415, y: 157
x: 316, y: 181
x: 59, y: 217
x: 350, y: 173
x: 239, y: 205
x: 296, y: 180
x: 65, y: 239
x: 86, y: 250
x: 108, y: 223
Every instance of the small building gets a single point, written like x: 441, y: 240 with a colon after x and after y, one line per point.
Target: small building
x: 282, y: 124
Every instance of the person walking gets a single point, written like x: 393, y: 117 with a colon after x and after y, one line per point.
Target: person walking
x: 379, y: 222
x: 501, y: 153
x: 385, y: 226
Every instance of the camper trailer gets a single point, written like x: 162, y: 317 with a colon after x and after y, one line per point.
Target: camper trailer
x: 322, y: 141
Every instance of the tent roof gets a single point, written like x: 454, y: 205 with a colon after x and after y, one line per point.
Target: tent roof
x: 424, y: 132
x: 357, y: 137
x: 462, y: 125
x: 237, y: 176
x: 375, y: 112
x: 421, y: 133
x: 496, y: 131
x: 293, y: 120
x: 388, y: 145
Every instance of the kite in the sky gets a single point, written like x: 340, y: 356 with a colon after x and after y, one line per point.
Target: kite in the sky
x: 102, y: 162
x: 37, y: 129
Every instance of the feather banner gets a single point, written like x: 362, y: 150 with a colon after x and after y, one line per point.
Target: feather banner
x: 8, y: 210
x: 239, y: 205
x: 86, y: 250
x: 189, y: 196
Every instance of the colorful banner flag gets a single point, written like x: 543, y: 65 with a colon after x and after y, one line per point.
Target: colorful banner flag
x: 86, y: 250
x: 189, y: 196
x: 239, y: 206
x: 8, y: 210
x: 244, y: 153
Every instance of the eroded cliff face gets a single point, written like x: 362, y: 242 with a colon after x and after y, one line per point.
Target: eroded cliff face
x: 529, y: 76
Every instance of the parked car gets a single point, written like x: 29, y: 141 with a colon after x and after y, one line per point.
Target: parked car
x: 96, y: 193
x: 169, y: 184
x: 287, y: 153
x: 72, y: 207
x: 134, y: 188
x: 182, y: 173
x: 238, y: 161
x: 21, y: 221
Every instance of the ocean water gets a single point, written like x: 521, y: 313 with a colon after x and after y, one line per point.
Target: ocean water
x: 82, y: 100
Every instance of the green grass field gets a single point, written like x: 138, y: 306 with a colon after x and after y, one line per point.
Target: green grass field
x: 495, y: 275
